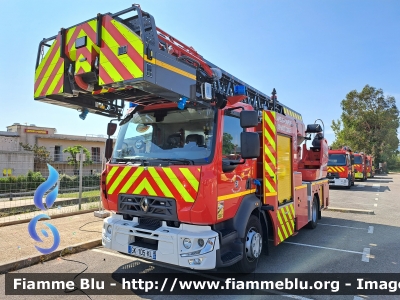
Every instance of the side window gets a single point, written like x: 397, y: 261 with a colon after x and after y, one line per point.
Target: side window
x: 231, y: 138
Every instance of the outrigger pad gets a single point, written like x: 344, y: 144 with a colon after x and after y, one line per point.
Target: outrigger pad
x: 313, y: 128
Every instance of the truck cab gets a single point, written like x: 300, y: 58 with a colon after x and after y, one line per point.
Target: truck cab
x: 360, y: 166
x: 340, y: 168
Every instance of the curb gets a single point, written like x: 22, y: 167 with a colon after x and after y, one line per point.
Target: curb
x: 352, y: 210
x: 27, y: 262
x: 51, y: 216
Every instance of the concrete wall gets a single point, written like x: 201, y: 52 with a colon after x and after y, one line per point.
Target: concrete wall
x: 51, y: 142
x: 19, y: 162
x: 9, y: 143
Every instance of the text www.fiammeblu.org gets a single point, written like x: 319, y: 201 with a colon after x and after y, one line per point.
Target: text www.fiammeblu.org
x: 286, y: 285
x: 230, y: 284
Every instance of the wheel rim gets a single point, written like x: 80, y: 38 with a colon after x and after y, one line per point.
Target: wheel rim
x: 253, y: 244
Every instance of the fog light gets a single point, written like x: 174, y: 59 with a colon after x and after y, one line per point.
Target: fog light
x: 187, y: 243
x: 195, y: 261
x: 200, y: 242
x: 109, y: 227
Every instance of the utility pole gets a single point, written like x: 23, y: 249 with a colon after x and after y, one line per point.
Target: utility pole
x: 80, y: 176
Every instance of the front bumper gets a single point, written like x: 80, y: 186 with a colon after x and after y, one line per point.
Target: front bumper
x: 166, y: 242
x: 339, y: 182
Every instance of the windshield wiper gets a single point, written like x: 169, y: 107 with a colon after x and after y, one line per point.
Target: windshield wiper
x: 181, y: 160
x: 129, y: 116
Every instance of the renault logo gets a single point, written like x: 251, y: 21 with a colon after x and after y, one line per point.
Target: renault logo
x: 144, y: 204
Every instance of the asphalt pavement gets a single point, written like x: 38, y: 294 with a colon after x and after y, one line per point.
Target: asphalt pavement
x: 343, y: 242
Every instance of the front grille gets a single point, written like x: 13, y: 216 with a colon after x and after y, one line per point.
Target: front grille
x: 148, y: 223
x: 332, y: 175
x: 148, y: 206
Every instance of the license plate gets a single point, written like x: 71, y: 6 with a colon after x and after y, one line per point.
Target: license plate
x: 142, y: 252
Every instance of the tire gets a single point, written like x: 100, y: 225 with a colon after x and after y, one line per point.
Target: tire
x: 314, y: 214
x: 252, y: 246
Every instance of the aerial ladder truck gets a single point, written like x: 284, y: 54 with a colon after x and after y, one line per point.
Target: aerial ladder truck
x: 205, y: 167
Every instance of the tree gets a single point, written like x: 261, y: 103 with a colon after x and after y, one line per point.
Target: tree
x: 227, y: 145
x: 40, y: 154
x: 368, y: 123
x: 73, y: 151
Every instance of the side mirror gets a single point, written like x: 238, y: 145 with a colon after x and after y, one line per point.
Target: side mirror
x: 111, y: 128
x: 249, y: 145
x: 109, y: 147
x: 248, y: 118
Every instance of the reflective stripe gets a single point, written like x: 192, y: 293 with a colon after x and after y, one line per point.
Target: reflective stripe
x: 145, y: 185
x: 230, y: 196
x: 178, y: 185
x: 169, y: 67
x: 131, y: 180
x: 118, y: 180
x: 111, y: 174
x: 190, y: 178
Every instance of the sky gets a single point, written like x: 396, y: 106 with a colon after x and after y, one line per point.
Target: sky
x: 312, y: 52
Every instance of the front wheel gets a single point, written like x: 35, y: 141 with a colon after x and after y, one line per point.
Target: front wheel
x: 252, y: 244
x: 314, y: 213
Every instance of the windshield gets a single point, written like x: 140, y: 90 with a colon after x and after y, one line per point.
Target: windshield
x: 357, y: 160
x: 337, y: 160
x: 174, y: 136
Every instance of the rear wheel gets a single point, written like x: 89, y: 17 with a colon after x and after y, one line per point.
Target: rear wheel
x: 314, y: 214
x: 252, y: 244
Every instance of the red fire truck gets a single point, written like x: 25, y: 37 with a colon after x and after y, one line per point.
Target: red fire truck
x: 205, y: 167
x: 370, y: 166
x: 360, y: 166
x: 340, y: 167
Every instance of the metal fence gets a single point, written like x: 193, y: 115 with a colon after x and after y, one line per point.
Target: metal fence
x: 21, y: 175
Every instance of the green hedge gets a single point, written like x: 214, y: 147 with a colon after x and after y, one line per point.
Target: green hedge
x: 67, y: 181
x: 32, y: 180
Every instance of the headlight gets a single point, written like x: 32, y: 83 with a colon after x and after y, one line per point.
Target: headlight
x: 206, y: 249
x: 109, y: 229
x: 200, y: 242
x: 187, y: 243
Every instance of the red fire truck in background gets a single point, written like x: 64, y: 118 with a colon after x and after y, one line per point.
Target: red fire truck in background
x: 370, y: 166
x: 205, y: 167
x: 360, y: 166
x: 340, y: 167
